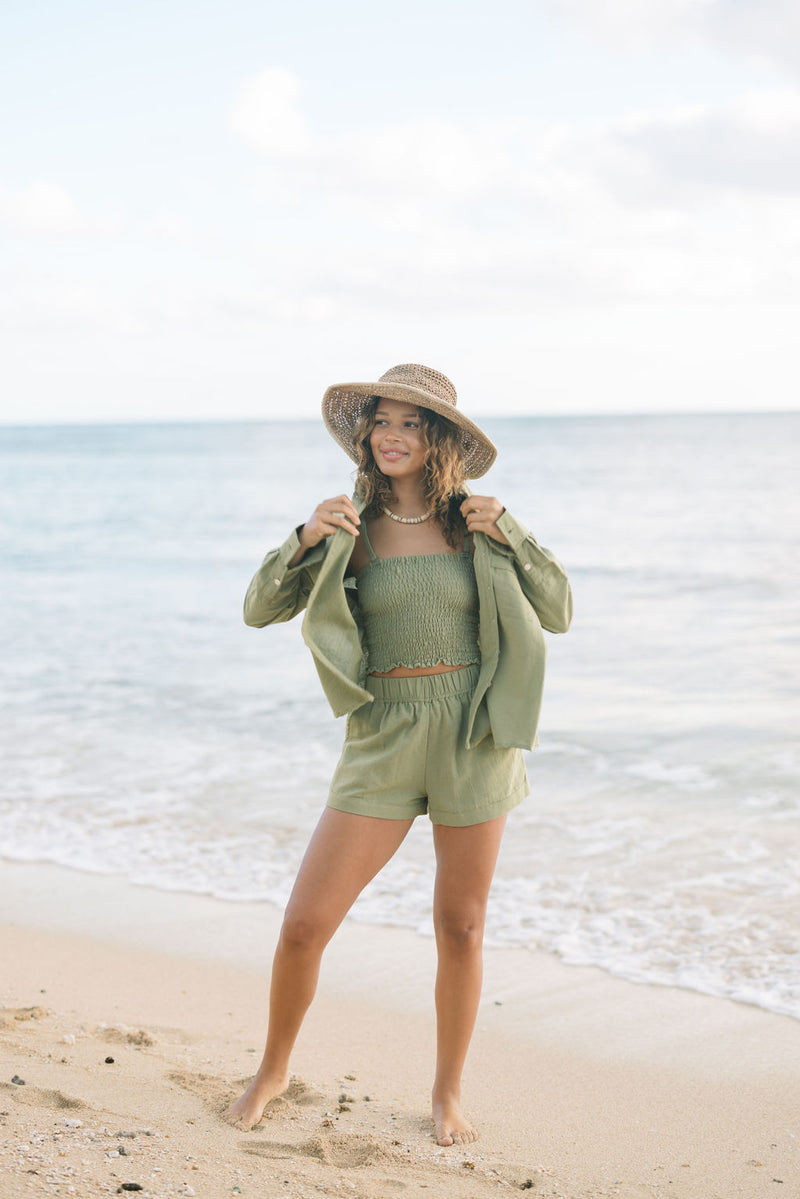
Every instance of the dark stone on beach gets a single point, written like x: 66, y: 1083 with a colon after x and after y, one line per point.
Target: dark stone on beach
x: 17, y: 1081
x: 129, y: 1186
x: 527, y: 1185
x: 109, y: 1061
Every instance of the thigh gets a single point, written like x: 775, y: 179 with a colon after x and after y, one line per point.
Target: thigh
x: 345, y: 852
x: 465, y: 861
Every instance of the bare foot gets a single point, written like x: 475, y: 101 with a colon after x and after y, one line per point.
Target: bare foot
x: 248, y: 1110
x: 450, y: 1124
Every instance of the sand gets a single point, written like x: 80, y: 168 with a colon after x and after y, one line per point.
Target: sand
x: 134, y: 1016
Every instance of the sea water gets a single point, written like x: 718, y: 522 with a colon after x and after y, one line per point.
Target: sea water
x: 145, y: 731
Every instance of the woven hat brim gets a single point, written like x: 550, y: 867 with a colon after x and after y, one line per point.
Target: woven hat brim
x: 343, y: 404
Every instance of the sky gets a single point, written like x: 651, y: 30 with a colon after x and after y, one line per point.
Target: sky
x: 215, y: 210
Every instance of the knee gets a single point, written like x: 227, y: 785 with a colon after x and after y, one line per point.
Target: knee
x: 301, y: 934
x: 459, y: 931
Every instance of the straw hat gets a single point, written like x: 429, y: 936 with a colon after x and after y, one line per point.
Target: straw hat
x: 344, y: 403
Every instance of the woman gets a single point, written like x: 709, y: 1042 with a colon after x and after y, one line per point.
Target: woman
x: 424, y: 610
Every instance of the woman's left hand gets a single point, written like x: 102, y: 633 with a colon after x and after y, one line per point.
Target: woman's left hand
x: 481, y: 513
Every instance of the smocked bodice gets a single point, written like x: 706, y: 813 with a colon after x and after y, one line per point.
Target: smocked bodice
x: 419, y: 610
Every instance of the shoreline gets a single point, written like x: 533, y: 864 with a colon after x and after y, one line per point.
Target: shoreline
x: 584, y: 1084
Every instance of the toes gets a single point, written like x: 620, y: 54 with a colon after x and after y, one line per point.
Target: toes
x: 458, y: 1138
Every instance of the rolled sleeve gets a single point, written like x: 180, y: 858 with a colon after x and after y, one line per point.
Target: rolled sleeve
x: 544, y: 580
x: 278, y: 591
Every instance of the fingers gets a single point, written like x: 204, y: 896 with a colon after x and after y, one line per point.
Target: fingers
x: 337, y: 513
x: 340, y: 513
x: 480, y: 512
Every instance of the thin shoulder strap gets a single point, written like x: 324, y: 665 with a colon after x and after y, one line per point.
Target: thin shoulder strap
x: 373, y: 557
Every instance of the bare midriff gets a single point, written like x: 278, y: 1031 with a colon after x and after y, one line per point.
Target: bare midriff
x: 413, y: 672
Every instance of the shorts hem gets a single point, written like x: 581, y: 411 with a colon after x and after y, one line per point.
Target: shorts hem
x: 366, y: 807
x: 481, y: 815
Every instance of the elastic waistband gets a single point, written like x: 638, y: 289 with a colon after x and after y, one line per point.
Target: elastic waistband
x: 423, y: 687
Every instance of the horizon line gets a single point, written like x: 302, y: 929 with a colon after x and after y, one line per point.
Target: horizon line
x: 111, y: 422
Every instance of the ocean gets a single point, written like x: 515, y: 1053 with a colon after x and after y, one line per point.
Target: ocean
x: 146, y: 732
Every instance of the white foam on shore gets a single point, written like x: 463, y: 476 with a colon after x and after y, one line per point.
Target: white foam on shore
x: 663, y: 894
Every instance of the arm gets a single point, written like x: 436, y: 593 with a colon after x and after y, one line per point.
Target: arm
x: 281, y: 586
x: 543, y: 579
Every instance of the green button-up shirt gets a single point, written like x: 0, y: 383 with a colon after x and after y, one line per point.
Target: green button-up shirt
x: 522, y: 588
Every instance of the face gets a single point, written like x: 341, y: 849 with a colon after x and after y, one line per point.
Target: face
x: 396, y: 440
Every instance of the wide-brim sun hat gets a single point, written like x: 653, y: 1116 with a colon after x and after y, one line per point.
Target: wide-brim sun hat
x: 343, y: 405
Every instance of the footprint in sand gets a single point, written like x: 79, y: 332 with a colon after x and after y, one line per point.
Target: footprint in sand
x: 120, y: 1034
x: 42, y: 1097
x: 334, y: 1149
x: 218, y: 1094
x: 11, y: 1017
x: 211, y: 1089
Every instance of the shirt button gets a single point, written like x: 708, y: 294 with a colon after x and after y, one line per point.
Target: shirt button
x: 527, y: 566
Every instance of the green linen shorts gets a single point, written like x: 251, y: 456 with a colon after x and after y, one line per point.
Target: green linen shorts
x: 404, y: 754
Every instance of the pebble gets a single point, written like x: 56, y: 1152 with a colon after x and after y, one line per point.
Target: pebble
x: 71, y: 1122
x: 109, y: 1061
x: 68, y: 1039
x: 17, y: 1081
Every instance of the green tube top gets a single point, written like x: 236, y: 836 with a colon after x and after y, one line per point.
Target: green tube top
x: 419, y: 610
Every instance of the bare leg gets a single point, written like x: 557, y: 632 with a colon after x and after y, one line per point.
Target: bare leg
x: 344, y: 854
x: 465, y: 862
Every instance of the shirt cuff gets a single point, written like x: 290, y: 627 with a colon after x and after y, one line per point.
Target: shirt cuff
x: 515, y: 533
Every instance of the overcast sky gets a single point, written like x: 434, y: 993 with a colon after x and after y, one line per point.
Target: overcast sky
x: 216, y: 209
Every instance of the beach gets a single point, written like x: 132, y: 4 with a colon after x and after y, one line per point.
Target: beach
x: 164, y: 766
x: 133, y: 1015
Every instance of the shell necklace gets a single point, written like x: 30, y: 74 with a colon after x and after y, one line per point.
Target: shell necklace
x: 406, y: 520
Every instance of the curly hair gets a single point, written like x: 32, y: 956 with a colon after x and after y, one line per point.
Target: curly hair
x: 444, y: 471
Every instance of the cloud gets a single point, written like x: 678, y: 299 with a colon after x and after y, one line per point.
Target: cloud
x: 448, y: 218
x: 48, y: 210
x: 758, y: 30
x: 41, y: 209
x: 688, y: 204
x: 266, y: 114
x: 748, y: 145
x: 167, y: 226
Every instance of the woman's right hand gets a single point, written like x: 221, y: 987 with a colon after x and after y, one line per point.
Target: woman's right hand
x: 327, y: 517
